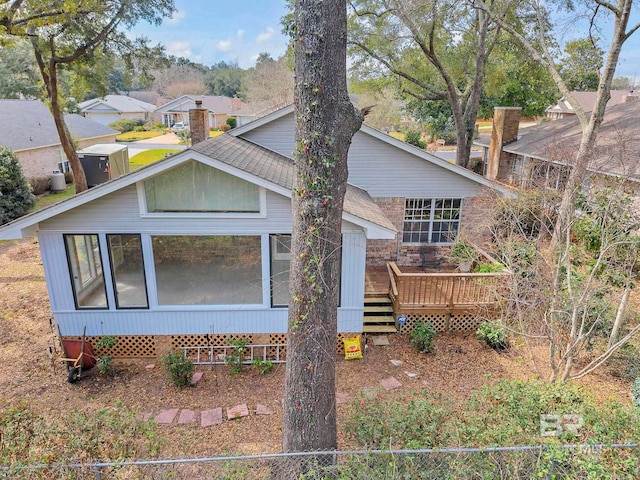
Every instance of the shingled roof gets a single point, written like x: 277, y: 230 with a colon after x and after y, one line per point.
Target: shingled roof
x: 617, y: 149
x: 278, y: 169
x: 28, y: 124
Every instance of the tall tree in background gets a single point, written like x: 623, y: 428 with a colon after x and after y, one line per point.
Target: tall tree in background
x: 19, y: 76
x: 66, y: 34
x: 615, y: 15
x: 224, y: 79
x: 438, y: 49
x: 326, y: 121
x: 269, y: 85
x: 580, y: 67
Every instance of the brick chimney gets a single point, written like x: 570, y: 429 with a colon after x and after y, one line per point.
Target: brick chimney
x: 199, y: 123
x: 505, y: 130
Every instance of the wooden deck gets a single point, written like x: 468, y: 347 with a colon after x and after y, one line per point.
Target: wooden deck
x: 415, y: 291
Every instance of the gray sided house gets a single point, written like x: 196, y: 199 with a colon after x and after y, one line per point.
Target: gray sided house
x: 29, y: 130
x: 218, y: 110
x: 112, y: 108
x: 195, y: 248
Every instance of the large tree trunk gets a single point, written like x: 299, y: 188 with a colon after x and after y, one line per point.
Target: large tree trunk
x: 325, y: 124
x: 79, y: 178
x: 49, y: 73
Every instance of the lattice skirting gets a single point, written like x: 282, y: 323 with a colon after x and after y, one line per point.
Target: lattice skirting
x: 145, y: 346
x: 443, y: 322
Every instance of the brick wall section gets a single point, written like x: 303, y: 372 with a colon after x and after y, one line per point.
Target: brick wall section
x: 41, y: 162
x: 199, y: 123
x: 505, y: 129
x: 379, y: 252
x: 476, y: 218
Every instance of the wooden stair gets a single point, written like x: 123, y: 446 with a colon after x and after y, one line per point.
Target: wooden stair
x: 378, y: 314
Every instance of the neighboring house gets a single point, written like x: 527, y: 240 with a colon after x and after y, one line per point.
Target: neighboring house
x: 542, y: 155
x: 112, y: 108
x: 563, y: 108
x: 29, y: 130
x: 219, y: 109
x: 195, y: 248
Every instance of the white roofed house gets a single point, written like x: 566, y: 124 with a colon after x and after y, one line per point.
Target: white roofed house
x: 111, y: 108
x: 195, y: 249
x: 218, y: 109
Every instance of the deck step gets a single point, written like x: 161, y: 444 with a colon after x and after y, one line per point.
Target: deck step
x: 370, y: 319
x: 383, y: 309
x: 377, y: 299
x: 379, y: 329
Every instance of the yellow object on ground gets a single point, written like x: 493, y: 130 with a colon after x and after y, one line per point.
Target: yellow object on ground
x: 352, y: 348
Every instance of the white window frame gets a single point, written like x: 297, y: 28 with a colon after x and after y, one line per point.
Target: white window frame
x: 430, y: 220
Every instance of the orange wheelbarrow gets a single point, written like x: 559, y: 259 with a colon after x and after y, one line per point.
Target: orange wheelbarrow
x: 78, y: 355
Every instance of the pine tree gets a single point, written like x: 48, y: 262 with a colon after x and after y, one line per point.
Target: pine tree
x: 15, y: 192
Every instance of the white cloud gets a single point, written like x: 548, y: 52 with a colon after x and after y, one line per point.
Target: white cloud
x: 266, y: 35
x: 224, y: 45
x: 240, y: 34
x: 177, y: 16
x: 179, y: 48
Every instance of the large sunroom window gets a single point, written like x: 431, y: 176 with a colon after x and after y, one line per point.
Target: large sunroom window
x: 208, y: 270
x: 280, y: 269
x: 85, y: 267
x: 431, y: 220
x: 127, y: 270
x: 199, y: 188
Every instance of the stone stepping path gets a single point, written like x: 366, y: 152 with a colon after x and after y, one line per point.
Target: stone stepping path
x: 208, y: 418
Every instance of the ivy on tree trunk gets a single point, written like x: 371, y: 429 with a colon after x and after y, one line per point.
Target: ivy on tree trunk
x: 326, y: 121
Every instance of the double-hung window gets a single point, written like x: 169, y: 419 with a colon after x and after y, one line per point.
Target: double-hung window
x: 431, y: 220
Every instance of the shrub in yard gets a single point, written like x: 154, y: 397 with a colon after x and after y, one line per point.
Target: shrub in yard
x: 422, y: 337
x: 235, y: 359
x: 413, y: 138
x: 493, y: 334
x: 225, y: 128
x: 68, y: 177
x: 125, y: 125
x: 104, y: 363
x: 488, y: 267
x: 15, y: 193
x: 179, y: 367
x: 139, y: 128
x: 231, y: 121
x: 39, y: 185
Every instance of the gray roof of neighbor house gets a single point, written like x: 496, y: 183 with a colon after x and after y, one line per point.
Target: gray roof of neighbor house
x: 28, y: 124
x: 617, y: 149
x: 213, y: 103
x: 119, y: 103
x: 586, y: 101
x: 278, y: 169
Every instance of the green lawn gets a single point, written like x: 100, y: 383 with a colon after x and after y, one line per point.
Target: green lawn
x: 47, y: 200
x: 149, y: 156
x: 134, y: 136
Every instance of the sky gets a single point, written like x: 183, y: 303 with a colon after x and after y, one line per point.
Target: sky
x: 208, y: 32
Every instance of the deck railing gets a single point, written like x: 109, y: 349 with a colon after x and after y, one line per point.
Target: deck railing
x: 450, y: 292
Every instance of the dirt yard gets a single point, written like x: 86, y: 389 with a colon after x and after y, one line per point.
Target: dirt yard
x: 459, y: 366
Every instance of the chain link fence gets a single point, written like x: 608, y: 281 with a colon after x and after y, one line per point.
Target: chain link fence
x: 620, y: 461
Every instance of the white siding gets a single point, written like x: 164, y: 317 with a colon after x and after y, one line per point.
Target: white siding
x: 119, y: 213
x: 378, y: 167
